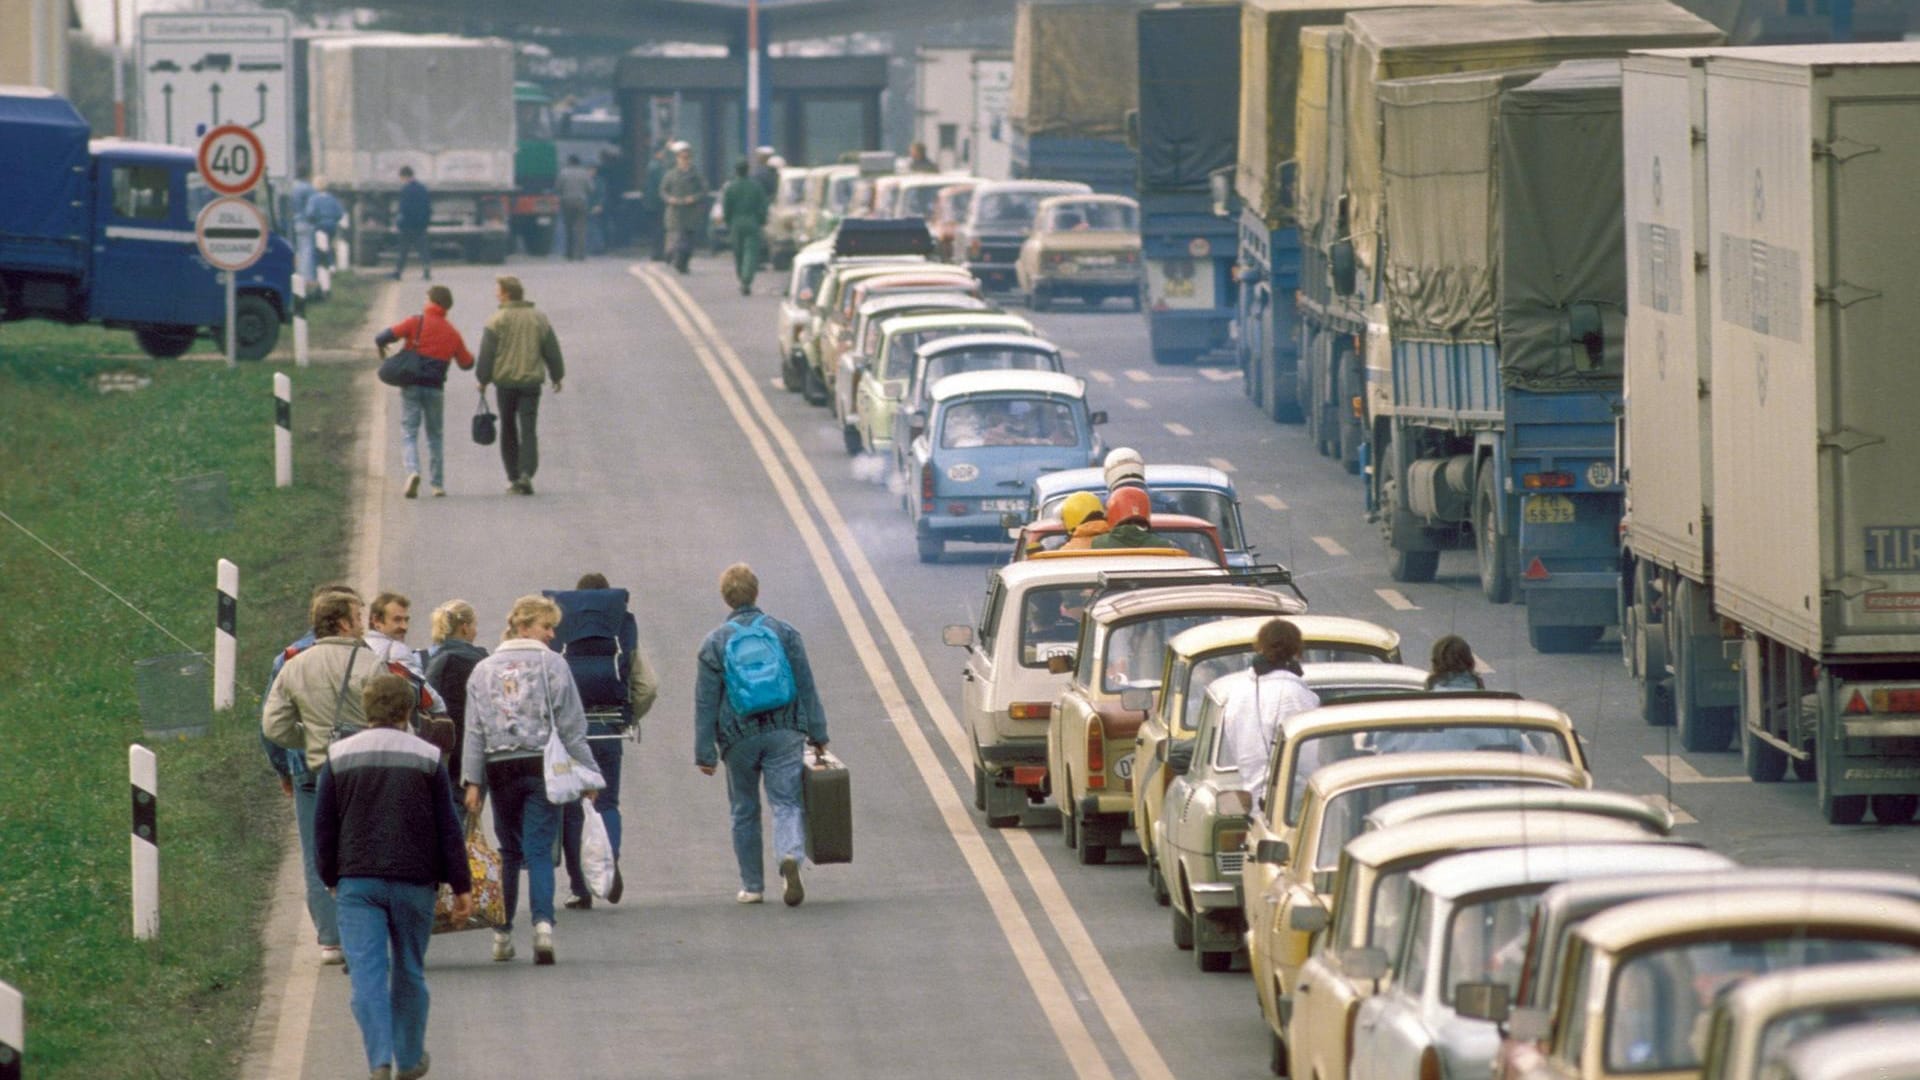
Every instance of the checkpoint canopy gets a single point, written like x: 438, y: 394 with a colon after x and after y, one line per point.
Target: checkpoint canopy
x: 198, y: 71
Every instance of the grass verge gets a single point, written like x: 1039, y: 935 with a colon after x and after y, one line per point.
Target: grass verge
x: 331, y: 324
x: 93, y: 474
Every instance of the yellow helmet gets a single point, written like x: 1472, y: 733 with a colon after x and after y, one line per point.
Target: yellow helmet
x: 1079, y: 506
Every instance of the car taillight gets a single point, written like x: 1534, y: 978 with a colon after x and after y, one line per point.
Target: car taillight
x: 926, y: 488
x: 1230, y: 836
x: 1429, y: 1064
x: 1096, y: 755
x: 1896, y: 701
x: 1539, y: 480
x: 1030, y: 710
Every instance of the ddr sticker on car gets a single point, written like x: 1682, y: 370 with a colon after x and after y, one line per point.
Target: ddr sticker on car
x: 1123, y: 768
x: 963, y: 473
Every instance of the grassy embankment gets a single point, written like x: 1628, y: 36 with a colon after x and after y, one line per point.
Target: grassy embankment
x: 93, y: 474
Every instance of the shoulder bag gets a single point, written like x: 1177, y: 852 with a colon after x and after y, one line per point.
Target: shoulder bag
x: 566, y: 778
x: 485, y: 427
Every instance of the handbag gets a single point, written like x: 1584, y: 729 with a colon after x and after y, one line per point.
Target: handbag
x: 485, y: 427
x: 489, y: 895
x: 566, y: 778
x: 409, y: 368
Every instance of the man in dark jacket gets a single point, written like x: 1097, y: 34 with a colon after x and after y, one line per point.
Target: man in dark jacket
x: 767, y: 745
x: 386, y: 837
x: 416, y: 213
x: 743, y: 205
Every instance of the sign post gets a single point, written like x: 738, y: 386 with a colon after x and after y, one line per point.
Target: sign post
x: 231, y: 232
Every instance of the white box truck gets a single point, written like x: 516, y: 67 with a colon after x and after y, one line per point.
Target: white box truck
x: 1813, y: 221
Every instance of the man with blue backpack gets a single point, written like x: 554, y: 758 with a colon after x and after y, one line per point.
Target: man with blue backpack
x: 601, y: 641
x: 756, y: 709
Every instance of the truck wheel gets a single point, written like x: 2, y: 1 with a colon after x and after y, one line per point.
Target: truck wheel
x: 1038, y: 298
x: 1806, y: 768
x: 1895, y: 809
x: 1182, y: 929
x: 1701, y: 728
x: 256, y: 325
x: 537, y: 241
x: 165, y: 342
x: 1765, y: 763
x: 1563, y: 639
x: 930, y: 548
x: 1838, y: 809
x: 1496, y: 569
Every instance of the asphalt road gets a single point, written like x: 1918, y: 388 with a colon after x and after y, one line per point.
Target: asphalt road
x: 945, y: 949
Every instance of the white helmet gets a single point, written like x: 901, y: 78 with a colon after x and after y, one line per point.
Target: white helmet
x: 1125, y: 469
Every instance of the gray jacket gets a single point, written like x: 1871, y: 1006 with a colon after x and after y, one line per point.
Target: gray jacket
x: 315, y: 690
x: 515, y: 697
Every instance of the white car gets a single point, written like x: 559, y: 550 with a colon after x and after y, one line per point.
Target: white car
x: 796, y: 310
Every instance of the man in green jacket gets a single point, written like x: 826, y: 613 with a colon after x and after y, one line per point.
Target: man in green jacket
x: 682, y: 190
x: 743, y: 206
x: 518, y: 351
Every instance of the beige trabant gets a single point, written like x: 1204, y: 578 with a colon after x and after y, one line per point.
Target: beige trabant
x: 831, y: 330
x: 786, y: 217
x: 808, y: 268
x: 1637, y: 981
x: 1366, y: 904
x: 829, y: 190
x: 1123, y: 642
x: 1083, y: 246
x: 1750, y: 1029
x: 1857, y: 1052
x: 1483, y: 800
x: 1195, y: 658
x: 1199, y: 841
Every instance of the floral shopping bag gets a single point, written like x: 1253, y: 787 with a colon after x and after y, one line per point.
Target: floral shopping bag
x: 489, y: 898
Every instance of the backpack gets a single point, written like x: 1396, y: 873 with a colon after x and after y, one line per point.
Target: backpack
x: 759, y: 676
x: 598, y: 638
x: 421, y: 721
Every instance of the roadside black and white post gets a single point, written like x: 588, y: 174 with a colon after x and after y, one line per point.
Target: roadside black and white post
x: 13, y: 1034
x: 283, y: 423
x: 233, y: 359
x: 323, y: 264
x: 144, y: 771
x: 299, y: 323
x: 226, y: 618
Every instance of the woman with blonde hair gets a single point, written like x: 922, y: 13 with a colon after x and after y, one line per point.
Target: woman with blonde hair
x: 515, y: 699
x: 450, y: 661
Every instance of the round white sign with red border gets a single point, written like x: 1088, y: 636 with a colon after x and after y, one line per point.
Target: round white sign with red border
x: 232, y: 233
x: 231, y: 159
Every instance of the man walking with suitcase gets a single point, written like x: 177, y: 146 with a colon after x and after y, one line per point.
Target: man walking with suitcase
x: 756, y: 708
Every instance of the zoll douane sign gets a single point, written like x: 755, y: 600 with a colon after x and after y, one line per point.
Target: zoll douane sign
x: 232, y: 233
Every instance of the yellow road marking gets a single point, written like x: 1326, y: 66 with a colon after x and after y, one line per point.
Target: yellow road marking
x: 1099, y: 376
x: 1136, y: 375
x: 1272, y: 502
x: 1679, y: 771
x: 1220, y: 374
x: 1331, y: 546
x: 1177, y: 428
x: 1222, y: 464
x: 1396, y: 600
x: 1139, y: 403
x: 716, y: 356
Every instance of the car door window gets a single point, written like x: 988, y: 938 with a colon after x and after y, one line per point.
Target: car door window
x: 1412, y: 971
x: 142, y: 192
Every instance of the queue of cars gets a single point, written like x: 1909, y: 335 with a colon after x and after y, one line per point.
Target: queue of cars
x: 1423, y: 885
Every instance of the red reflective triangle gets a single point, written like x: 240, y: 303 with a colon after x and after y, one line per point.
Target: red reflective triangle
x: 1857, y: 706
x: 1536, y: 570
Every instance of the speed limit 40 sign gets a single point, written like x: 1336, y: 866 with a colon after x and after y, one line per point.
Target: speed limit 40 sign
x: 231, y: 159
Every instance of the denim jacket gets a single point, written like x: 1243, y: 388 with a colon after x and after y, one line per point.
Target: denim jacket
x: 510, y: 697
x: 716, y: 727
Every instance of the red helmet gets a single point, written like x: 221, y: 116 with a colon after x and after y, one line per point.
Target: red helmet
x: 1129, y: 504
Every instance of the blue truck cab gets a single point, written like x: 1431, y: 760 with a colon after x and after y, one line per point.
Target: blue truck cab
x: 101, y: 231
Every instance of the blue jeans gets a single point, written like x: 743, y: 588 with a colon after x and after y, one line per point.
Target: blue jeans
x: 418, y: 403
x: 776, y: 757
x: 385, y: 925
x: 320, y: 905
x: 527, y: 825
x: 304, y: 252
x: 415, y: 239
x: 608, y: 747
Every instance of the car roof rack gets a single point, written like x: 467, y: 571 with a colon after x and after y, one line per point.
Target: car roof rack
x: 1401, y: 696
x: 1262, y: 576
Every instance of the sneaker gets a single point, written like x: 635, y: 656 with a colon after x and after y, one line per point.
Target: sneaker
x: 543, y: 943
x: 795, y: 892
x: 417, y: 1071
x: 747, y: 896
x: 619, y: 887
x: 502, y: 946
x: 331, y: 955
x: 513, y: 487
x: 413, y: 485
x: 578, y: 903
x: 384, y: 1072
x: 526, y: 487
x: 439, y: 492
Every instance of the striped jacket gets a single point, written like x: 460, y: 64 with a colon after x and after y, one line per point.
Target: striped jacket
x: 385, y: 810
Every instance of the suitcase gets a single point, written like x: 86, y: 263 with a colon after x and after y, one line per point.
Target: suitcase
x: 827, y: 794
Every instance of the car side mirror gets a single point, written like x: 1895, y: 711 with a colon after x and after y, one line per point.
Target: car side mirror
x: 1097, y: 416
x: 1529, y: 1025
x: 1308, y: 919
x: 1060, y: 663
x: 1271, y: 852
x: 1136, y: 699
x: 1346, y: 272
x: 1482, y: 1000
x: 1367, y: 963
x: 1179, y: 756
x: 960, y: 636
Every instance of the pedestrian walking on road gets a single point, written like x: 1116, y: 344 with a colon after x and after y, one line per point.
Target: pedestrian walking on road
x: 387, y: 837
x: 752, y: 659
x: 601, y: 642
x: 432, y: 336
x: 516, y: 698
x: 1255, y: 708
x: 518, y: 349
x: 325, y: 214
x: 1452, y: 666
x: 682, y: 190
x: 316, y: 694
x: 653, y: 206
x: 743, y: 206
x: 765, y: 173
x: 453, y: 659
x: 575, y: 188
x: 416, y: 213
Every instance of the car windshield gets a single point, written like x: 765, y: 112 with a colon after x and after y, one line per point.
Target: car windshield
x: 1783, y: 1031
x: 1213, y: 506
x: 1346, y: 813
x: 793, y: 188
x: 1093, y: 216
x: 840, y: 192
x: 1659, y: 995
x: 1008, y: 421
x: 901, y: 351
x: 1313, y: 751
x: 1050, y: 622
x: 1136, y: 650
x: 1487, y: 941
x: 918, y: 201
x: 1227, y: 662
x: 1008, y: 207
x: 959, y: 203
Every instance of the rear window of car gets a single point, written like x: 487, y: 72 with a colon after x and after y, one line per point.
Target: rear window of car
x: 1050, y: 622
x: 1137, y: 651
x: 1093, y: 216
x: 1213, y: 506
x: 918, y: 201
x: 1008, y: 422
x: 1346, y: 813
x: 985, y: 359
x: 1008, y: 207
x: 1313, y: 751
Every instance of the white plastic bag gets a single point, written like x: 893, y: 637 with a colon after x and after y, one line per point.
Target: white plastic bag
x: 567, y: 779
x: 596, y: 850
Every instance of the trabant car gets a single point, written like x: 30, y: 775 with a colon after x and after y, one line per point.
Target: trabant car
x: 819, y: 213
x: 875, y: 402
x: 1507, y: 800
x: 1031, y: 614
x: 949, y: 212
x: 1367, y: 905
x: 841, y: 293
x: 840, y: 333
x: 1200, y: 490
x: 1858, y: 1052
x: 1565, y: 907
x: 916, y: 193
x: 1199, y: 842
x: 1466, y: 931
x: 796, y: 311
x: 1083, y: 246
x: 868, y: 328
x: 1637, y: 980
x: 1751, y: 1027
x: 1195, y: 536
x: 1116, y: 669
x: 1343, y: 654
x: 786, y: 217
x: 936, y: 356
x: 1369, y: 908
x: 998, y: 220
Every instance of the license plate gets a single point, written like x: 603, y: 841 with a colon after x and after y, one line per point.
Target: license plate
x: 1182, y: 289
x: 1096, y: 260
x: 1003, y: 504
x: 1548, y: 510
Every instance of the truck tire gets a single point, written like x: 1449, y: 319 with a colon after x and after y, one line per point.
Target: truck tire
x: 1701, y: 728
x: 1895, y: 809
x: 929, y: 548
x: 165, y: 342
x: 1837, y: 809
x: 1765, y: 763
x: 256, y: 325
x: 1489, y: 544
x: 537, y: 241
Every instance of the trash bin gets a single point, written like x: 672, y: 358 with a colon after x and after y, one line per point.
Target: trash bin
x: 176, y: 694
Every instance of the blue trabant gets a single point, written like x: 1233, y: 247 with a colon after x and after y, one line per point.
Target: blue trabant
x: 990, y: 436
x: 1196, y: 490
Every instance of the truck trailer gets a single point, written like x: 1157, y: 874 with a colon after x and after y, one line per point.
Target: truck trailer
x: 1075, y: 77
